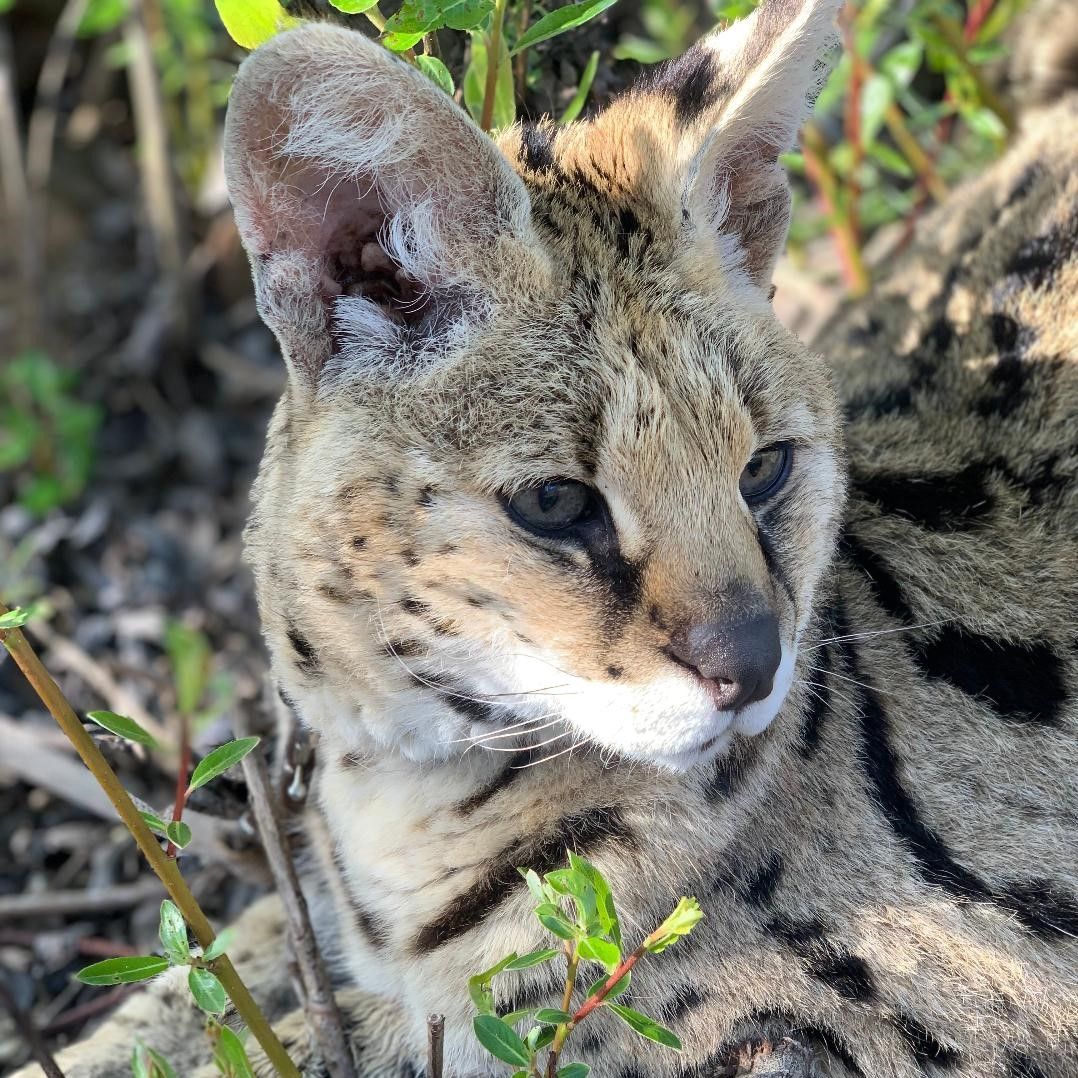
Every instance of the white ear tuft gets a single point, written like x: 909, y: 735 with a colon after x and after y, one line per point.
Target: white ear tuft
x: 374, y: 211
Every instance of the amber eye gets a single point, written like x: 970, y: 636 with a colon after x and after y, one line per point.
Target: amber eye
x: 554, y: 506
x: 765, y: 473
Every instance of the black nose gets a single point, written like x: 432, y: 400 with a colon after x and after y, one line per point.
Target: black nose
x: 738, y: 659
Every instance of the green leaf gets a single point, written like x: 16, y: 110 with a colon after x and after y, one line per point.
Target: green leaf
x: 220, y: 760
x: 559, y: 20
x: 353, y: 7
x: 621, y: 986
x: 686, y: 916
x: 173, y: 933
x: 550, y: 917
x: 576, y: 107
x: 533, y: 958
x: 418, y: 17
x: 535, y: 885
x: 436, y: 71
x: 146, y: 1063
x: 475, y: 81
x: 17, y: 618
x: 479, y: 985
x: 539, y: 1037
x: 123, y: 970
x: 500, y: 1040
x: 645, y: 1026
x: 513, y: 1017
x: 191, y: 657
x: 221, y: 943
x: 251, y: 23
x: 101, y: 16
x: 551, y: 1017
x: 574, y: 1070
x: 153, y: 822
x: 903, y: 62
x: 890, y: 159
x: 230, y: 1055
x: 604, y: 900
x: 122, y: 726
x: 178, y: 833
x: 877, y: 93
x: 600, y: 950
x: 208, y: 991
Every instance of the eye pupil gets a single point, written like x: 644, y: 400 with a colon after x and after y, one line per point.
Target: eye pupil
x: 766, y: 472
x: 548, y: 496
x: 553, y: 507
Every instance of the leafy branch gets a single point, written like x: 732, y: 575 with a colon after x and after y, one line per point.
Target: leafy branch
x: 575, y: 905
x: 213, y: 971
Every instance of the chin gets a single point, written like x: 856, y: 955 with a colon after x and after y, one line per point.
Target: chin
x: 672, y: 723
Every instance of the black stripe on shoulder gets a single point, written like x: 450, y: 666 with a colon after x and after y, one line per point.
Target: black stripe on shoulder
x: 765, y: 880
x: 924, y: 1045
x: 956, y: 502
x: 503, y: 780
x: 1023, y: 682
x: 880, y: 578
x: 829, y: 962
x: 580, y: 831
x: 1044, y: 909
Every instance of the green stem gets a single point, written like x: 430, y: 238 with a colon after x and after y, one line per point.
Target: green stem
x: 494, y: 55
x: 956, y: 39
x: 919, y: 161
x: 167, y: 870
x: 376, y: 18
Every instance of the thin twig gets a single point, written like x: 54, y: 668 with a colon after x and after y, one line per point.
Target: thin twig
x: 520, y: 60
x: 435, y: 1045
x: 842, y: 230
x: 25, y: 1025
x: 155, y: 167
x: 76, y: 1016
x: 494, y: 54
x: 911, y: 149
x: 183, y: 769
x: 320, y: 1006
x: 167, y: 871
x: 17, y: 207
x: 53, y: 903
x: 41, y: 130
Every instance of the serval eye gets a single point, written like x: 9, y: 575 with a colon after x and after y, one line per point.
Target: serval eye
x: 765, y: 473
x: 554, y: 506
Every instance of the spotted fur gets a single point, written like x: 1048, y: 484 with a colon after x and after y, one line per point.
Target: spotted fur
x: 888, y: 867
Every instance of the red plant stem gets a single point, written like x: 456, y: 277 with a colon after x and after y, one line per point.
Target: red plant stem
x: 182, y: 773
x: 975, y: 17
x: 599, y: 998
x: 852, y: 117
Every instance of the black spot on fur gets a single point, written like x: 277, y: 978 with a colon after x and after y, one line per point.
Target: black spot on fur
x: 1007, y: 381
x: 537, y: 148
x: 334, y: 595
x: 763, y: 884
x: 883, y: 583
x: 830, y: 963
x: 954, y: 502
x: 391, y: 484
x: 359, y: 542
x: 1038, y: 260
x: 925, y: 1047
x: 413, y: 606
x: 581, y: 831
x: 691, y: 80
x: 1023, y: 682
x: 614, y: 671
x: 627, y: 227
x: 1024, y: 185
x: 403, y: 649
x: 512, y: 770
x: 410, y: 557
x: 896, y: 400
x: 426, y: 497
x: 685, y: 997
x: 729, y: 772
x: 774, y: 1025
x: 307, y: 657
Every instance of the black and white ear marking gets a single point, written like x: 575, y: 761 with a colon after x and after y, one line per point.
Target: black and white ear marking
x: 739, y: 98
x: 371, y: 206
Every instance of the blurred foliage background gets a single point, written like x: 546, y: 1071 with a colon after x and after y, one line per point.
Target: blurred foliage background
x: 136, y: 380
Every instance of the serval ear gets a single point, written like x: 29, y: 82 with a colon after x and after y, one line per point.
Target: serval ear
x: 380, y: 221
x: 732, y: 104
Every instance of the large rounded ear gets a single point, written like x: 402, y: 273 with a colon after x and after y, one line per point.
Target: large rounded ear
x: 377, y: 216
x: 720, y: 116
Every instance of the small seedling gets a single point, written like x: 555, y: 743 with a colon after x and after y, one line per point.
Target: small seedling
x: 576, y: 906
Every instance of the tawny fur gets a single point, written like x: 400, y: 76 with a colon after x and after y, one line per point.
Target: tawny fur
x: 888, y: 868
